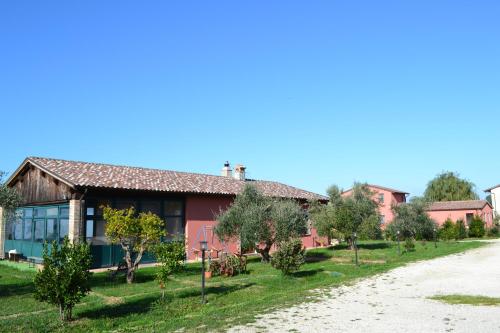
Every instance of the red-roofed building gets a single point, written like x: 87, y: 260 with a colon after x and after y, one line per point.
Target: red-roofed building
x: 386, y: 197
x: 463, y: 210
x: 64, y: 198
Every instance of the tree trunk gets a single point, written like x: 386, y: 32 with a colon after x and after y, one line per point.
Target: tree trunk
x: 265, y: 253
x: 130, y: 274
x: 69, y: 313
x: 61, y: 312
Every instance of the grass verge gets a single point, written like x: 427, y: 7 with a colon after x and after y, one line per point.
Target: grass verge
x: 467, y: 299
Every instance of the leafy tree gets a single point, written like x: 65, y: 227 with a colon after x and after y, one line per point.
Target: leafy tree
x: 65, y: 277
x: 135, y: 233
x: 448, y: 230
x: 259, y: 222
x: 171, y: 257
x: 412, y: 221
x: 476, y: 227
x: 9, y: 198
x: 289, y: 256
x: 461, y: 230
x: 344, y: 216
x: 448, y: 186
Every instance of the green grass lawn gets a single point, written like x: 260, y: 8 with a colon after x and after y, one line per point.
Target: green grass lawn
x: 468, y: 299
x: 116, y: 306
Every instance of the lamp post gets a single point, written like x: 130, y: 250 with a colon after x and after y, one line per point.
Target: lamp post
x: 355, y: 236
x: 435, y: 238
x: 203, y: 248
x: 399, y: 247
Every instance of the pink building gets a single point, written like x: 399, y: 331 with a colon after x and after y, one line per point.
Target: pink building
x: 464, y: 210
x: 386, y: 198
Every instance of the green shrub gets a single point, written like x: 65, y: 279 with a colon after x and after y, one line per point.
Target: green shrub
x: 229, y: 265
x: 448, y: 230
x: 409, y: 245
x: 461, y: 230
x: 289, y: 257
x: 65, y: 277
x: 476, y: 227
x: 171, y: 258
x: 214, y: 267
x: 494, y: 231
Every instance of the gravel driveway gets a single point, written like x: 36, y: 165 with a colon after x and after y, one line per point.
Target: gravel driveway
x: 397, y: 301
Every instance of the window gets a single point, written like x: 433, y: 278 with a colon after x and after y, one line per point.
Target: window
x: 28, y: 213
x: 125, y: 204
x: 174, y: 227
x: 63, y: 228
x: 151, y: 206
x: 39, y: 228
x: 18, y: 229
x: 382, y: 219
x: 173, y: 208
x: 381, y: 197
x: 51, y: 230
x: 90, y: 211
x: 40, y: 212
x: 64, y: 212
x: 27, y: 230
x: 89, y: 233
x: 53, y: 211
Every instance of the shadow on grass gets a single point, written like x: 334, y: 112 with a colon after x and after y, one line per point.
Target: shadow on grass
x: 16, y: 289
x: 214, y: 290
x: 367, y: 246
x: 142, y: 305
x: 317, y: 257
x: 308, y: 273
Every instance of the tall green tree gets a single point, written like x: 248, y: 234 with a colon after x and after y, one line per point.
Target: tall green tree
x: 9, y: 198
x: 135, y: 234
x: 448, y: 186
x: 259, y: 222
x: 65, y: 277
x: 345, y: 215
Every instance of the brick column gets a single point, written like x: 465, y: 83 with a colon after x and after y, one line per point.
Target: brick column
x: 3, y: 225
x: 75, y: 220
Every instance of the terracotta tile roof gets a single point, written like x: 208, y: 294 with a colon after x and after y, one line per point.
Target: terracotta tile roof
x: 457, y: 205
x: 83, y: 174
x: 382, y: 188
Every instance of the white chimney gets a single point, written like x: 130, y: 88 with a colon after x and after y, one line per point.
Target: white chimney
x: 239, y: 172
x: 226, y: 170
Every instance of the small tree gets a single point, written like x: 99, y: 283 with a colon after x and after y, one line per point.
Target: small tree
x: 9, y: 198
x: 289, y: 256
x: 412, y: 221
x: 344, y: 216
x: 448, y: 230
x: 461, y: 230
x: 65, y: 277
x: 476, y: 227
x: 135, y: 234
x: 171, y: 257
x: 259, y: 222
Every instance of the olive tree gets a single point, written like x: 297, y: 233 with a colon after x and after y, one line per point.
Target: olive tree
x: 135, y: 234
x: 344, y: 216
x: 9, y: 198
x: 412, y: 221
x: 65, y: 277
x: 259, y: 222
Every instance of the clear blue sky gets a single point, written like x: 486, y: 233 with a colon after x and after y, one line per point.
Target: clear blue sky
x: 309, y: 93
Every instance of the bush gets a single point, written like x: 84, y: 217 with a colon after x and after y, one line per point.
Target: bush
x: 171, y: 258
x: 409, y: 245
x: 461, y: 230
x: 228, y: 265
x: 494, y: 231
x: 65, y: 277
x: 448, y: 230
x: 289, y: 257
x: 476, y: 227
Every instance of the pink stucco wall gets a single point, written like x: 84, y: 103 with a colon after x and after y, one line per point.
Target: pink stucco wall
x: 440, y: 216
x: 385, y: 207
x: 200, y: 222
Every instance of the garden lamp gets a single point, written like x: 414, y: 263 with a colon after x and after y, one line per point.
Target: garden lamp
x: 203, y: 248
x: 355, y: 237
x: 435, y: 238
x: 399, y: 247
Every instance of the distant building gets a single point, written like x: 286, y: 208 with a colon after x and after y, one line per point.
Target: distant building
x: 386, y: 197
x: 495, y: 198
x: 464, y: 210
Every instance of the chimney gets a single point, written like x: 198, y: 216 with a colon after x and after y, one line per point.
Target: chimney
x: 226, y: 170
x: 239, y: 172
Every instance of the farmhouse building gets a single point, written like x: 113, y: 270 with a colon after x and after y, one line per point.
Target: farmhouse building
x: 461, y: 210
x: 495, y: 198
x: 64, y: 198
x: 386, y: 197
